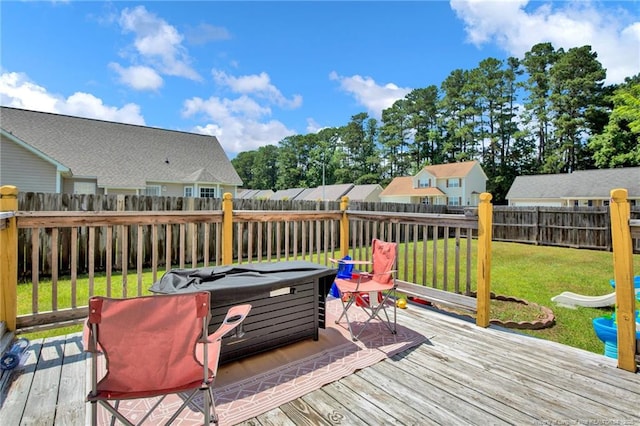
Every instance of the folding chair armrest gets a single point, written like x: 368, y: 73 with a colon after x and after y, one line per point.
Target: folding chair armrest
x: 234, y: 318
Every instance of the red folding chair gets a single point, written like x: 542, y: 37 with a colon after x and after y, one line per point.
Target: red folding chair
x: 155, y: 346
x: 373, y: 291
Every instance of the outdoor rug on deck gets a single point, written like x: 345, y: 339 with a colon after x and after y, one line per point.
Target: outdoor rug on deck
x: 255, y: 385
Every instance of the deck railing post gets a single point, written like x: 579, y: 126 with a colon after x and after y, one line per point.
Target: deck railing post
x: 227, y: 229
x: 344, y: 227
x: 485, y: 224
x: 9, y: 257
x: 620, y: 211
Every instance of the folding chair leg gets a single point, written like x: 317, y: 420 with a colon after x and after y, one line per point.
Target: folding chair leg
x: 345, y: 308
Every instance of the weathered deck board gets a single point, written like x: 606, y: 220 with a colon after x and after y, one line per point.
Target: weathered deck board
x: 462, y: 374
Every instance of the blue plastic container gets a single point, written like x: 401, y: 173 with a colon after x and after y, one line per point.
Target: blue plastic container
x: 344, y: 271
x: 636, y: 282
x: 607, y: 331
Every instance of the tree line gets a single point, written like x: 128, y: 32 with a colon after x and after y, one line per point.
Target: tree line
x: 548, y: 112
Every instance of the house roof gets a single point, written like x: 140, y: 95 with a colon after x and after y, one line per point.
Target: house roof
x: 121, y: 155
x: 580, y: 184
x: 361, y: 192
x: 451, y: 170
x: 287, y: 194
x: 331, y: 192
x: 403, y: 186
x: 247, y: 193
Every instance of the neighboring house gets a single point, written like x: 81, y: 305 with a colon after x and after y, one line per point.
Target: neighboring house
x: 286, y: 194
x: 453, y: 184
x: 580, y: 188
x: 326, y: 193
x: 366, y: 193
x: 44, y: 152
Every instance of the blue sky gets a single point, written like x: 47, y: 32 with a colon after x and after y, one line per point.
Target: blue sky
x: 252, y: 73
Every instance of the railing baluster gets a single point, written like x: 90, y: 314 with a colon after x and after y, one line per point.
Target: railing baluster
x: 239, y: 241
x: 167, y: 257
x: 434, y: 252
x: 181, y: 242
x: 54, y: 268
x: 74, y: 266
x: 92, y: 259
x: 124, y: 231
x: 205, y: 244
x: 154, y: 252
x: 35, y: 267
x: 139, y: 257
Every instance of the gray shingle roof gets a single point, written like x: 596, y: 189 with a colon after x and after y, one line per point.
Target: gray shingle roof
x: 579, y: 184
x: 286, y: 194
x: 331, y: 192
x: 361, y: 192
x: 121, y: 155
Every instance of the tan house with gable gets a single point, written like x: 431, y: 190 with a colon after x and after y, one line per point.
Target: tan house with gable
x: 453, y: 184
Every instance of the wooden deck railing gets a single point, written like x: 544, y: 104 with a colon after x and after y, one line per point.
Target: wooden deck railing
x: 623, y: 229
x: 117, y: 253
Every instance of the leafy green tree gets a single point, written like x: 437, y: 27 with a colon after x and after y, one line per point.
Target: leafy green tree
x: 243, y: 164
x: 576, y: 78
x: 293, y: 159
x: 372, y: 164
x: 394, y: 139
x: 265, y: 170
x: 619, y: 144
x: 537, y: 117
x: 459, y: 109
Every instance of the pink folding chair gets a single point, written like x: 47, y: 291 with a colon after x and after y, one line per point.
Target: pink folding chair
x: 373, y: 291
x: 155, y: 346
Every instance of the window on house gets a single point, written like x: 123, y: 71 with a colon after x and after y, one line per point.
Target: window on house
x: 153, y: 190
x: 188, y: 191
x: 453, y: 201
x: 84, y: 188
x: 453, y: 183
x: 424, y: 183
x: 207, y: 192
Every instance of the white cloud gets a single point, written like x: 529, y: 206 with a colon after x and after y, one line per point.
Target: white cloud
x: 313, y: 126
x: 138, y: 77
x: 16, y: 90
x: 238, y: 123
x: 157, y: 43
x: 258, y: 85
x: 611, y: 32
x: 204, y: 33
x: 370, y: 94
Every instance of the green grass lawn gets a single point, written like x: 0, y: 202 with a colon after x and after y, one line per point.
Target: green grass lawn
x: 532, y: 273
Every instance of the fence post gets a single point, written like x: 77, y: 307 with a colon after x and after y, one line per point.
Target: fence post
x: 344, y: 227
x: 9, y: 257
x: 485, y: 224
x: 227, y: 229
x: 620, y: 211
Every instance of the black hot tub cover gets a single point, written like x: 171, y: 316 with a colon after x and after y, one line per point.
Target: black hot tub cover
x: 237, y: 282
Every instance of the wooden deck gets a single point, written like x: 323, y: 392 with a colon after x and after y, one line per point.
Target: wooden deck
x: 461, y: 375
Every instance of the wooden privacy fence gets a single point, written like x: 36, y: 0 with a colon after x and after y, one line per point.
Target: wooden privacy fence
x: 575, y: 227
x: 437, y: 252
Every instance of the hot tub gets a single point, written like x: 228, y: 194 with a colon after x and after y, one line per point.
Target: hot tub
x: 287, y: 298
